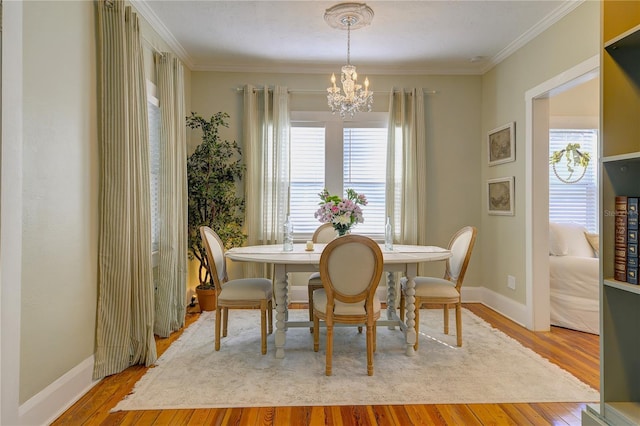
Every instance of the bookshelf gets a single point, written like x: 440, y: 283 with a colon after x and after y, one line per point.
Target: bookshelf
x: 620, y: 175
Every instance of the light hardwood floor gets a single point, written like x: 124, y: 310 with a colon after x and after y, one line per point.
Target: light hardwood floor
x: 574, y: 351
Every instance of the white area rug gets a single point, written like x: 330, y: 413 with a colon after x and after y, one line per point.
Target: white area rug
x: 489, y: 367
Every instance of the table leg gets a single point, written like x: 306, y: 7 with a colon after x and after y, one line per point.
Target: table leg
x: 410, y: 300
x: 281, y: 308
x: 391, y: 298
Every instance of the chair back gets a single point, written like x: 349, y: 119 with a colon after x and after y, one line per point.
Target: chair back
x: 324, y: 233
x: 215, y: 256
x: 461, y: 245
x: 350, y: 269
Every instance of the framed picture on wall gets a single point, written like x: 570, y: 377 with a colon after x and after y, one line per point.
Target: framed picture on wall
x: 501, y: 144
x: 500, y: 196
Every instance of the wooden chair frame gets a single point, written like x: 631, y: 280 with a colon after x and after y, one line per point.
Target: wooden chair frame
x: 445, y: 302
x: 221, y: 280
x: 367, y: 296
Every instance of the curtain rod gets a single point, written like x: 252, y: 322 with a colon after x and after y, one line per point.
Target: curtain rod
x: 310, y: 91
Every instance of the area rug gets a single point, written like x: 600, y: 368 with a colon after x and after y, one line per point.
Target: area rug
x: 490, y: 367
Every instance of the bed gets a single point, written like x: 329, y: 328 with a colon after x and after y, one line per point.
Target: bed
x: 573, y: 277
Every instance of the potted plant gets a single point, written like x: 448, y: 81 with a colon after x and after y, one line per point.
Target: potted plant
x: 213, y: 172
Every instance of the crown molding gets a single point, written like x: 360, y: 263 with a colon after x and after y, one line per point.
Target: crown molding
x: 158, y: 26
x: 563, y: 10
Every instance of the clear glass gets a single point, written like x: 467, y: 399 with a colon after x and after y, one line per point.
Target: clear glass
x: 287, y: 239
x: 388, y: 235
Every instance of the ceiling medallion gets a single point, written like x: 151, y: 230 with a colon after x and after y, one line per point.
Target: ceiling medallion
x: 348, y: 16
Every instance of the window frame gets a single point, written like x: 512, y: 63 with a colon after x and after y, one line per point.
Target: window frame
x: 334, y: 149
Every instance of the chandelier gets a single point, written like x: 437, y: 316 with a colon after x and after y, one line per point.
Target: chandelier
x: 352, y: 97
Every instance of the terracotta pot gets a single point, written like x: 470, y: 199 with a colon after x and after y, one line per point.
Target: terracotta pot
x: 206, y: 299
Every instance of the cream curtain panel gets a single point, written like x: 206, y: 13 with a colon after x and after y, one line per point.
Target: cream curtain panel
x: 406, y: 196
x: 124, y: 334
x: 170, y: 303
x: 266, y: 146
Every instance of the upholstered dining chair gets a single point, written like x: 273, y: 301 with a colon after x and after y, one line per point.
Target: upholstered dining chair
x: 350, y: 269
x: 243, y: 293
x: 444, y: 291
x: 323, y: 234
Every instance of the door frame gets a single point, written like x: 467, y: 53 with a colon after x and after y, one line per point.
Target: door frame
x: 537, y: 191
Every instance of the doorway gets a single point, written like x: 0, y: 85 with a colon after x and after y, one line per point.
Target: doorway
x: 538, y: 106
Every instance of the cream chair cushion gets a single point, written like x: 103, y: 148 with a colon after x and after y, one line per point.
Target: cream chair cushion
x: 340, y: 308
x: 247, y: 288
x: 435, y: 287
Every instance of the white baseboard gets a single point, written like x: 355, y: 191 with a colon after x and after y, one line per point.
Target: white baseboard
x: 48, y: 404
x: 511, y: 309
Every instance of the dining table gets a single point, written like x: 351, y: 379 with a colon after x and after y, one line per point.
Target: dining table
x: 402, y: 258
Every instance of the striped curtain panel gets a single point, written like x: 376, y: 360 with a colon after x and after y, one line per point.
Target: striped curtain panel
x: 406, y: 192
x: 266, y: 146
x: 124, y: 334
x: 172, y: 198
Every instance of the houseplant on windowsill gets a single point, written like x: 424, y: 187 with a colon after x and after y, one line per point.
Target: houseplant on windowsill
x: 213, y: 172
x: 342, y: 213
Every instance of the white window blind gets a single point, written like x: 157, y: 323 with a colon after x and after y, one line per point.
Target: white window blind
x: 307, y: 176
x: 575, y: 202
x: 364, y: 162
x: 153, y: 112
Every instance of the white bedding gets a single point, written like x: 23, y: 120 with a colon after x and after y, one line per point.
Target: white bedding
x: 575, y: 293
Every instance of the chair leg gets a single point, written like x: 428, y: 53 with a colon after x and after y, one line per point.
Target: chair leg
x: 402, y: 302
x: 446, y: 318
x: 218, y: 325
x: 370, y: 346
x: 316, y: 334
x: 459, y: 323
x: 225, y: 321
x: 310, y: 299
x: 263, y: 327
x: 329, y: 358
x: 270, y: 316
x: 375, y: 337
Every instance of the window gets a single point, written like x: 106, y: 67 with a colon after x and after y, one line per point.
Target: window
x: 575, y: 202
x: 153, y: 111
x: 329, y: 153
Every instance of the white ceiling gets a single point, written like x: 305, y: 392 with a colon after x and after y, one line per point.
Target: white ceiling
x: 405, y: 37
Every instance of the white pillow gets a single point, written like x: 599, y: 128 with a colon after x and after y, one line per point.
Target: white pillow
x: 557, y: 245
x: 570, y: 240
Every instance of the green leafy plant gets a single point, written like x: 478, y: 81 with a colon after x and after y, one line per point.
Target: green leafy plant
x: 213, y: 172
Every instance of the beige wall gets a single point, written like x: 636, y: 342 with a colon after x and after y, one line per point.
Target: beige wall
x: 453, y: 126
x: 60, y: 188
x: 570, y: 41
x: 60, y: 198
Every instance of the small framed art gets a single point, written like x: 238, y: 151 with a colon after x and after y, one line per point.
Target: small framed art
x: 501, y: 144
x: 500, y: 196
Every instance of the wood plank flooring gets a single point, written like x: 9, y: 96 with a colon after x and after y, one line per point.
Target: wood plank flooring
x: 574, y: 351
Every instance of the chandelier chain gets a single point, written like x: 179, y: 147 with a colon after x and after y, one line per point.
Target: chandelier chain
x: 349, y: 41
x: 352, y: 97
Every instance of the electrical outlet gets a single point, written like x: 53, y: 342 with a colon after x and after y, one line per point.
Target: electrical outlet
x: 511, y: 282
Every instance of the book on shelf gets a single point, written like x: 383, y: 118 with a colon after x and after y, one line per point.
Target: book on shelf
x: 626, y: 239
x: 632, y: 240
x: 620, y: 241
